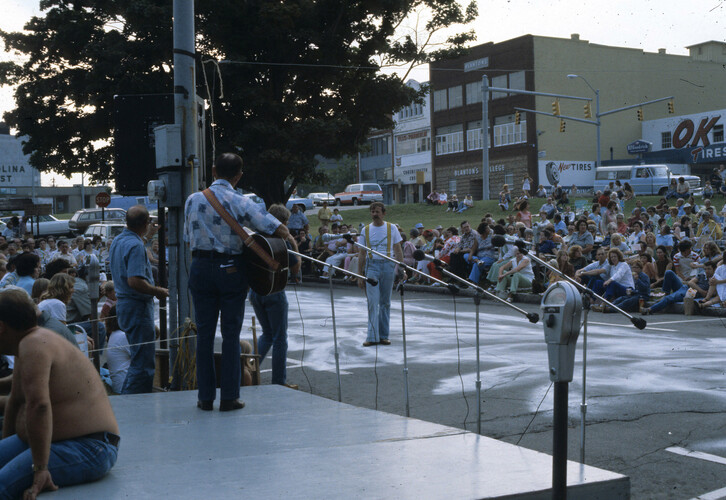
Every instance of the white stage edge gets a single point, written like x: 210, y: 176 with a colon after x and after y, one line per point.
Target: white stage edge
x: 290, y: 444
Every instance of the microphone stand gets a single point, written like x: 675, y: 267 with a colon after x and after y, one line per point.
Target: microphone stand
x: 587, y: 296
x: 532, y: 317
x: 451, y: 287
x: 372, y: 281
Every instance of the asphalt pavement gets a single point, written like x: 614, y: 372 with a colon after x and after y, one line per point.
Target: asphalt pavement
x: 656, y: 399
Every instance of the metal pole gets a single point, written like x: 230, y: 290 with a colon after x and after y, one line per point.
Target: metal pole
x: 485, y: 137
x: 405, y: 357
x: 597, y: 126
x: 559, y: 443
x: 185, y: 114
x: 335, y: 335
x: 477, y: 301
x: 583, y: 404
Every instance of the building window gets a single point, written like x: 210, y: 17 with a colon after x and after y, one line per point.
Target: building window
x: 439, y: 100
x: 449, y: 140
x: 452, y: 186
x: 473, y: 92
x: 665, y: 140
x: 501, y: 82
x: 718, y: 133
x: 377, y: 147
x: 474, y: 139
x: 414, y: 142
x: 413, y: 110
x: 516, y: 80
x: 506, y: 132
x: 455, y: 97
x: 509, y: 180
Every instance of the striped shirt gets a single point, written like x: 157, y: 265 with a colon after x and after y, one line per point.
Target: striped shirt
x: 204, y: 228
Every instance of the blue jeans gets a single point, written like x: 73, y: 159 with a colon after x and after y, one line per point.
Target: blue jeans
x: 379, y: 298
x: 73, y: 461
x: 482, y: 266
x: 271, y: 312
x: 675, y: 291
x: 595, y: 284
x: 219, y: 287
x: 615, y: 290
x: 136, y: 318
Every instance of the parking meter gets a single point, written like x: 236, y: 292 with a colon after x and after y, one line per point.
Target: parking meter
x: 562, y: 313
x: 92, y: 277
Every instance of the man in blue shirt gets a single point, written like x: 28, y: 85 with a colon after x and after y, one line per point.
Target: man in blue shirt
x: 297, y: 221
x: 218, y: 279
x: 135, y: 290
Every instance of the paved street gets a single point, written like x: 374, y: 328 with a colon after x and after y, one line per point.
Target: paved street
x: 647, y: 391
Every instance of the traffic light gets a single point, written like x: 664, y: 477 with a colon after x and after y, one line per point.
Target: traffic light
x: 562, y: 125
x: 671, y: 108
x: 588, y: 110
x: 556, y: 108
x: 640, y: 114
x: 517, y: 118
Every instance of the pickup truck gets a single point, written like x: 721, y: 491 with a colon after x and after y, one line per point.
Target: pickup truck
x: 644, y: 179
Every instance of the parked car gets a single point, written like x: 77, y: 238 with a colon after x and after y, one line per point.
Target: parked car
x: 255, y: 198
x: 319, y: 198
x: 359, y: 193
x: 644, y: 179
x: 303, y: 203
x: 43, y: 225
x: 87, y: 216
x: 105, y: 231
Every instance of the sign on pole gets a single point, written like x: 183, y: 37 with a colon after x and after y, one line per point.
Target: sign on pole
x: 103, y: 199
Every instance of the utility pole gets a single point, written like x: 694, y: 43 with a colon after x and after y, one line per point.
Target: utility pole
x: 485, y: 137
x: 185, y: 116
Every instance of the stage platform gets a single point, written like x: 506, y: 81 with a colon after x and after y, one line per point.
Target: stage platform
x: 290, y: 444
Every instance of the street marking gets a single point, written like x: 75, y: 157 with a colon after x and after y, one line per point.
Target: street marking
x: 625, y: 325
x: 712, y: 495
x: 697, y: 454
x: 686, y: 321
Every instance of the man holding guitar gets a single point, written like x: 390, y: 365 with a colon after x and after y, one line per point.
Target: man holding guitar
x: 218, y: 277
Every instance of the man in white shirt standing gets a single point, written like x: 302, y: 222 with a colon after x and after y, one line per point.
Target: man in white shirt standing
x: 382, y: 237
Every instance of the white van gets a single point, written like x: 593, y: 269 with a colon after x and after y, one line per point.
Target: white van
x: 644, y: 179
x: 359, y: 193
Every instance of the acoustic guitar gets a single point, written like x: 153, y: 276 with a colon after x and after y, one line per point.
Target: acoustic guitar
x: 263, y: 279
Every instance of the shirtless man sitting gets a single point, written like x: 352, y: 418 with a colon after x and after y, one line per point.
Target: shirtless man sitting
x: 59, y: 428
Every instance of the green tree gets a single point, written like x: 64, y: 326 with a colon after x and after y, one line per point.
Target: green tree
x: 285, y: 80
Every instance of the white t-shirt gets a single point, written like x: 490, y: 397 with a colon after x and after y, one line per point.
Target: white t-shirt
x: 526, y: 271
x: 379, y: 239
x: 118, y: 355
x: 55, y: 308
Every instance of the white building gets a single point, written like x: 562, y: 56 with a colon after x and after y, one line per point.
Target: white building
x: 17, y: 177
x: 696, y: 140
x: 412, y: 151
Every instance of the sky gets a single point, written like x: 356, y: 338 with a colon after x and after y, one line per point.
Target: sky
x: 645, y: 24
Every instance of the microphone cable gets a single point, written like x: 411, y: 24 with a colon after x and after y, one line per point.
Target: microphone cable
x: 458, y: 362
x: 535, y: 414
x: 375, y: 372
x: 302, y: 323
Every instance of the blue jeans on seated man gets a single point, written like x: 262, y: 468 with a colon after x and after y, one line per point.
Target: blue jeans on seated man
x: 379, y: 298
x: 73, y: 461
x: 615, y: 290
x: 675, y: 291
x: 482, y: 267
x: 219, y: 288
x: 271, y: 311
x: 136, y: 318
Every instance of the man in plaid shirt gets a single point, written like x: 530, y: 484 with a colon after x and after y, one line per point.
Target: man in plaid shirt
x: 218, y: 279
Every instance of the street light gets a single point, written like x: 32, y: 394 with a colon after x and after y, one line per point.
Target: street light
x: 597, y: 112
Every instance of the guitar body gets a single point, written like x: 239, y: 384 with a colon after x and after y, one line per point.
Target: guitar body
x: 262, y: 279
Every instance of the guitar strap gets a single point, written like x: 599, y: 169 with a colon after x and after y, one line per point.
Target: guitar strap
x: 237, y: 228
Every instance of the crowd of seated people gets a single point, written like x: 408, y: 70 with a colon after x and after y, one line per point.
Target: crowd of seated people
x: 673, y: 247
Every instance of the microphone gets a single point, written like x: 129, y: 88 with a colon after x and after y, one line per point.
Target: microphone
x: 372, y: 281
x: 522, y: 246
x: 348, y: 237
x: 420, y: 255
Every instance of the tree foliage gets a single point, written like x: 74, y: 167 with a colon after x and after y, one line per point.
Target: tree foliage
x: 285, y: 80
